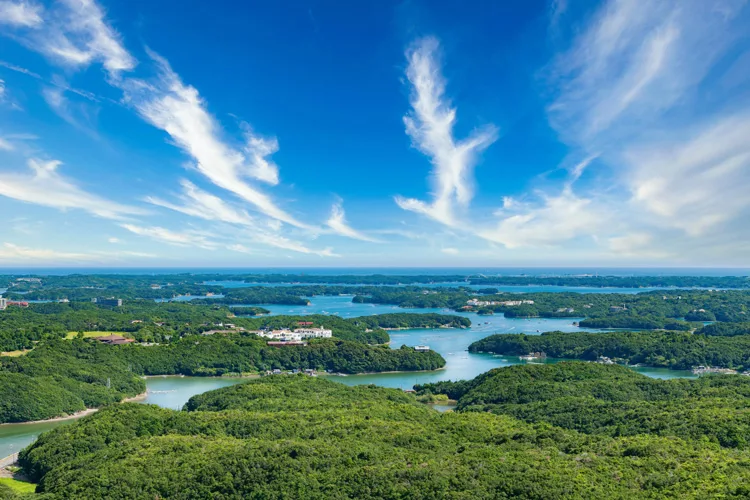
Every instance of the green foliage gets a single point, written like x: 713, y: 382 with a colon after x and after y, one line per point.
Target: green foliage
x: 60, y: 377
x: 676, y: 350
x: 611, y: 400
x: 298, y: 437
x: 725, y: 329
x: 24, y: 398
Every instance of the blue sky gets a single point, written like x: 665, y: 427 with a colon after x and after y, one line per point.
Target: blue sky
x: 390, y: 133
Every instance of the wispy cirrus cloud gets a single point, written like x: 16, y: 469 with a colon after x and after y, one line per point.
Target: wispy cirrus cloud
x: 73, y: 33
x: 189, y: 238
x: 19, y: 69
x: 635, y: 86
x: 198, y: 203
x: 10, y: 252
x: 13, y: 253
x: 179, y: 110
x: 46, y: 186
x: 556, y: 219
x: 76, y: 114
x: 20, y: 13
x: 430, y: 126
x: 337, y: 222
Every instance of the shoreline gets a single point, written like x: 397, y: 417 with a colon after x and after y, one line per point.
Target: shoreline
x: 177, y: 375
x: 139, y: 397
x: 74, y: 416
x: 379, y: 373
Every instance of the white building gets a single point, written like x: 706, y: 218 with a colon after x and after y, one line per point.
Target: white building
x: 3, y: 303
x: 314, y: 333
x: 288, y: 335
x: 480, y: 303
x: 421, y: 348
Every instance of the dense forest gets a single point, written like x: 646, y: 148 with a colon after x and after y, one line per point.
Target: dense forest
x: 104, y: 281
x: 676, y: 350
x: 611, y: 400
x: 148, y: 321
x: 302, y: 437
x: 60, y: 377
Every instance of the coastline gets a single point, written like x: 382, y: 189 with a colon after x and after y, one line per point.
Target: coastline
x: 76, y: 415
x: 139, y: 397
x: 379, y: 373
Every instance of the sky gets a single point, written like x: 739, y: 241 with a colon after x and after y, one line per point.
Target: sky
x: 390, y: 133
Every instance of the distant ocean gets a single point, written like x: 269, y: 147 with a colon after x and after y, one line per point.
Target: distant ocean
x: 402, y: 271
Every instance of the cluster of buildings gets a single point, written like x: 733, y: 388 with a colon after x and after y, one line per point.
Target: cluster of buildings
x: 286, y: 335
x: 703, y: 370
x: 533, y: 355
x: 5, y: 303
x: 482, y: 303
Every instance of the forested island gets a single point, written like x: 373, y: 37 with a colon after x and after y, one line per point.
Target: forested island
x: 148, y: 321
x: 105, y: 281
x: 60, y: 377
x: 675, y: 350
x: 610, y: 400
x: 668, y: 309
x: 298, y: 436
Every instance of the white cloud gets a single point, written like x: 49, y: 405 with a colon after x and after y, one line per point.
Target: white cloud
x: 72, y: 33
x: 697, y: 184
x: 47, y: 187
x: 114, y: 240
x: 637, y: 89
x: 450, y: 251
x: 258, y: 150
x: 5, y: 145
x: 430, y: 126
x: 185, y: 238
x: 201, y: 204
x: 285, y: 243
x: 338, y: 223
x: 179, y: 110
x: 25, y: 14
x: 78, y: 35
x: 557, y: 219
x: 19, y: 69
x: 11, y: 252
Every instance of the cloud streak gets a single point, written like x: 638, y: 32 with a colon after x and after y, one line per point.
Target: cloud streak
x: 337, y: 222
x: 47, y: 187
x: 178, y: 238
x: 178, y: 109
x: 430, y: 126
x: 24, y: 14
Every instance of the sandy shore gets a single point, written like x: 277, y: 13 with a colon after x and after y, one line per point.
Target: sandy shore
x: 79, y: 414
x: 139, y: 397
x: 378, y: 373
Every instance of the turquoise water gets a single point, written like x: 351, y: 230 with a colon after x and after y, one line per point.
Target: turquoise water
x: 173, y: 392
x: 167, y: 392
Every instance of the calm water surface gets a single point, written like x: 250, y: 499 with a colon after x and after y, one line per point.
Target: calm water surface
x: 167, y: 392
x: 173, y: 392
